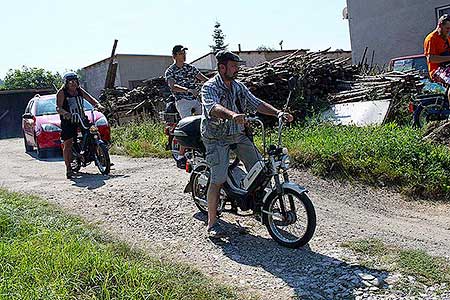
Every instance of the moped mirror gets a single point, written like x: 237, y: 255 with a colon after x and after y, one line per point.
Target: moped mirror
x: 292, y: 83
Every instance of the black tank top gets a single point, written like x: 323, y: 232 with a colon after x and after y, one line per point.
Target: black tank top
x: 73, y: 104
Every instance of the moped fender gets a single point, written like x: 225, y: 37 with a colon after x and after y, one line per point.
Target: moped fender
x: 294, y: 186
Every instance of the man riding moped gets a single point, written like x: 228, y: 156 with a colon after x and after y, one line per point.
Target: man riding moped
x: 225, y: 101
x: 181, y: 78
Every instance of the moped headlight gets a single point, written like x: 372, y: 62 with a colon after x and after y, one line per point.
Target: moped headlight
x: 285, y: 162
x: 93, y: 129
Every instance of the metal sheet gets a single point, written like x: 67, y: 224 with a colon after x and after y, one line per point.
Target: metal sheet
x: 357, y: 113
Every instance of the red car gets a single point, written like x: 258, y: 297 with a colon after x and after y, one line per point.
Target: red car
x: 41, y: 124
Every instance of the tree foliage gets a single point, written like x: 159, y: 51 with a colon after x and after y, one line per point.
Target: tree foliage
x: 219, y: 39
x: 31, y: 78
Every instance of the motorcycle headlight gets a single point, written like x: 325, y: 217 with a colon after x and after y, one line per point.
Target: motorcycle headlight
x: 50, y: 128
x: 285, y: 162
x: 93, y: 129
x: 101, y: 122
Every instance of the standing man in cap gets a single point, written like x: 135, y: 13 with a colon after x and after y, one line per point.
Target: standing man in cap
x: 225, y: 102
x: 181, y: 78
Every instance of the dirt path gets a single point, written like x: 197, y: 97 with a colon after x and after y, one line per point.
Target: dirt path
x: 142, y: 202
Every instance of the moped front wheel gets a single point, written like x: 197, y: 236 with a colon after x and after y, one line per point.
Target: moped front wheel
x: 295, y: 226
x: 102, y: 159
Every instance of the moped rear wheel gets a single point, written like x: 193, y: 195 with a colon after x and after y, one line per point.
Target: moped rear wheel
x: 200, y: 185
x: 296, y: 227
x: 102, y: 159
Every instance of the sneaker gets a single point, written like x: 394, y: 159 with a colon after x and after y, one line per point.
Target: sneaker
x: 70, y: 174
x: 216, y: 231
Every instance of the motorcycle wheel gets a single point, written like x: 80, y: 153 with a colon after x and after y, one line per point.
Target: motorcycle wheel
x: 102, y: 160
x: 420, y: 117
x: 297, y: 229
x: 200, y: 185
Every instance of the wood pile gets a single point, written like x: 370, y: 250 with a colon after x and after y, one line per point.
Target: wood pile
x: 322, y: 81
x: 438, y: 132
x: 398, y: 87
x: 144, y: 101
x: 318, y: 77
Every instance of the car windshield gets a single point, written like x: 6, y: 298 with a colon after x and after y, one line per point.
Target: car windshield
x: 420, y: 64
x: 48, y: 106
x: 403, y: 65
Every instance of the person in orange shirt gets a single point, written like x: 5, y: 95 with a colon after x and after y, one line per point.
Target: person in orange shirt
x: 437, y: 50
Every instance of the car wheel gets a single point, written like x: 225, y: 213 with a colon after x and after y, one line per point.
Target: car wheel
x: 39, y: 152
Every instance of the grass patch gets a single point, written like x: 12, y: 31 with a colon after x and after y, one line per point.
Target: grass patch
x: 380, y: 155
x: 140, y: 139
x: 45, y: 254
x: 426, y: 269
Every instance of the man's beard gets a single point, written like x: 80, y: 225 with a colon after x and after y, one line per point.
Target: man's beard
x: 231, y: 77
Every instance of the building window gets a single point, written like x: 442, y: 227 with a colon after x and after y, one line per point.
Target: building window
x: 442, y: 10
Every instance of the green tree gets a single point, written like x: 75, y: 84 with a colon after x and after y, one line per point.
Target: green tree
x: 219, y: 39
x: 31, y: 78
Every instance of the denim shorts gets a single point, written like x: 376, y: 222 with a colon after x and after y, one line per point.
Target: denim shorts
x: 218, y: 155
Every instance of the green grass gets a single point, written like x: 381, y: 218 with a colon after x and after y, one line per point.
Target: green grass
x: 389, y: 155
x: 380, y: 155
x: 425, y: 268
x: 45, y: 254
x: 140, y: 139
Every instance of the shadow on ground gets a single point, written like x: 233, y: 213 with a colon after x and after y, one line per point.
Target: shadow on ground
x: 310, y: 274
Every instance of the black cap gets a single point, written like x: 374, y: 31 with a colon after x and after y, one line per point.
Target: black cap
x: 224, y: 56
x: 178, y: 48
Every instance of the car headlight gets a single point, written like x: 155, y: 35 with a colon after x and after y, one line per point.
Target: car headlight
x: 50, y: 128
x: 101, y: 122
x: 285, y: 162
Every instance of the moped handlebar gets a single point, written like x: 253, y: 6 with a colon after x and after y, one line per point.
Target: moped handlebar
x: 78, y: 117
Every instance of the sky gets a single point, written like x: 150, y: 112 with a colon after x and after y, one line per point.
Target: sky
x: 68, y: 35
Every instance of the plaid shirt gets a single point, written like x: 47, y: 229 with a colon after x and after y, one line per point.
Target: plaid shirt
x: 213, y: 92
x: 186, y: 76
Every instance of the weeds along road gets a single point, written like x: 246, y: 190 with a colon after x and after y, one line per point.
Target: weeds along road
x: 142, y: 202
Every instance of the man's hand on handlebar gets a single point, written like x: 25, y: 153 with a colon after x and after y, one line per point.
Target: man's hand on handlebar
x: 286, y: 116
x: 194, y: 92
x: 100, y: 107
x: 67, y: 115
x: 239, y: 118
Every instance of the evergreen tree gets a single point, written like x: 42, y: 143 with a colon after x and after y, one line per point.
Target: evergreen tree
x: 219, y: 39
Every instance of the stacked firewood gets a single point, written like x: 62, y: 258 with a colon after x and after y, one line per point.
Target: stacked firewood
x: 322, y: 81
x: 317, y: 74
x: 438, y: 132
x: 146, y: 100
x: 398, y: 87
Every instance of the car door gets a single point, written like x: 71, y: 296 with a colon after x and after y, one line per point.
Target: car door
x: 28, y: 124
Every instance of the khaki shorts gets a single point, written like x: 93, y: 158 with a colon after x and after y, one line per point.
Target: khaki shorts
x: 218, y: 155
x: 188, y: 108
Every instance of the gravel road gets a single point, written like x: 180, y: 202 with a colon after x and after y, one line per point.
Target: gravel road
x: 142, y: 202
